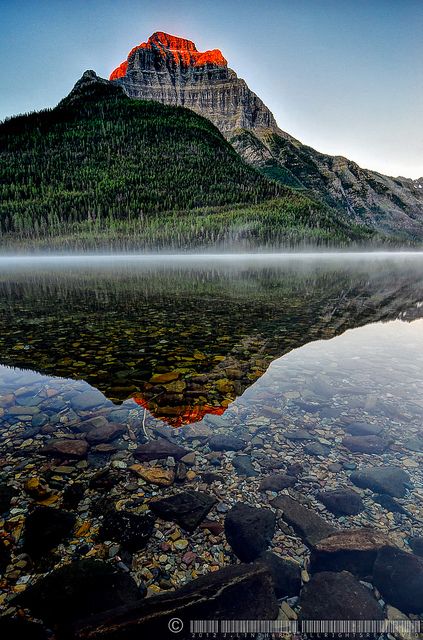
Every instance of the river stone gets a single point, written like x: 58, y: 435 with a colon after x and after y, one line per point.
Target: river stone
x: 286, y: 574
x: 353, y: 550
x: 249, y: 530
x: 222, y: 442
x: 132, y: 531
x: 44, y: 528
x: 306, y: 523
x: 237, y: 592
x: 77, y: 590
x: 316, y: 449
x: 159, y: 449
x: 416, y: 543
x: 338, y: 596
x: 362, y: 429
x: 105, y: 433
x: 66, y: 449
x: 89, y: 399
x: 390, y: 480
x: 277, y: 482
x: 389, y: 503
x: 399, y: 577
x: 414, y: 444
x: 188, y: 509
x: 341, y: 502
x: 72, y: 495
x: 365, y: 444
x: 299, y: 434
x: 243, y: 466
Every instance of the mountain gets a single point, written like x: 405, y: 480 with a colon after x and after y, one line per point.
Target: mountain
x: 102, y: 169
x: 171, y: 70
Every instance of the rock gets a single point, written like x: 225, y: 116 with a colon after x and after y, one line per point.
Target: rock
x: 7, y: 492
x: 72, y: 495
x: 341, y: 502
x: 105, y: 433
x: 277, y: 482
x: 337, y: 596
x: 130, y: 530
x: 249, y: 530
x: 89, y: 399
x: 295, y: 469
x: 389, y: 503
x: 362, y: 429
x: 390, y: 480
x: 163, y: 378
x: 299, y: 434
x: 308, y: 525
x: 334, y: 467
x: 316, y: 449
x: 78, y: 590
x: 37, y: 488
x: 66, y: 449
x: 399, y: 577
x: 45, y: 528
x: 226, y: 443
x: 416, y: 544
x: 414, y: 444
x: 189, y: 458
x: 154, y: 475
x: 159, y: 449
x: 352, y: 550
x: 239, y: 592
x: 365, y: 444
x: 286, y: 574
x: 188, y: 509
x: 243, y: 466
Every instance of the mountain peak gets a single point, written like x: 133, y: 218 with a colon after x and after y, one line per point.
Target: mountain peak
x: 179, y: 52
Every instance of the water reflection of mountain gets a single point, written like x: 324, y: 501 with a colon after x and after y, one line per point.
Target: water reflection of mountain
x: 121, y: 327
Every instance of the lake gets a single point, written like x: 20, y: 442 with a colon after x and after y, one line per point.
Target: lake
x: 264, y: 380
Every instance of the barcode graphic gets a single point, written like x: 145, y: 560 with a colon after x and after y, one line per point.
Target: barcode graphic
x: 310, y: 627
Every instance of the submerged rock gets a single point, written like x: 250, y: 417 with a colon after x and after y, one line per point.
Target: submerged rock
x: 390, y: 480
x: 188, y: 509
x: 341, y: 502
x: 362, y: 429
x: 66, y: 449
x: 306, y: 523
x: 416, y: 544
x: 243, y: 466
x: 399, y: 577
x: 365, y: 444
x: 249, y: 530
x: 77, y: 590
x: 277, y: 482
x: 159, y: 449
x: 45, y: 528
x: 353, y: 550
x: 389, y: 503
x: 240, y: 592
x: 226, y: 443
x: 286, y: 574
x: 7, y: 492
x: 132, y: 531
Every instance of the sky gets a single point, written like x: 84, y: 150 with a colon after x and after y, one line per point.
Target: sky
x: 343, y: 76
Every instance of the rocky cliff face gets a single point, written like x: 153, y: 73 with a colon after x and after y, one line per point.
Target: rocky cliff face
x: 171, y: 70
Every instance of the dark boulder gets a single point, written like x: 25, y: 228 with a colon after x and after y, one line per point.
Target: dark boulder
x: 399, y: 577
x: 66, y: 449
x: 77, y: 590
x: 238, y: 592
x: 353, y: 550
x: 390, y: 480
x: 416, y: 544
x: 243, y: 466
x: 362, y: 429
x: 249, y: 530
x: 45, y: 528
x: 306, y: 523
x: 341, y: 502
x: 286, y: 574
x: 365, y: 444
x: 277, y: 482
x: 226, y: 443
x: 72, y: 495
x: 158, y: 449
x: 132, y: 531
x: 389, y: 503
x: 105, y: 433
x: 188, y: 509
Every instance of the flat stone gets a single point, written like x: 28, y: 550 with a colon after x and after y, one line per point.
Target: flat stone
x: 399, y: 577
x: 66, y: 449
x: 89, y: 400
x: 159, y: 449
x: 306, y: 523
x: 105, y: 433
x: 226, y: 443
x: 299, y: 434
x: 244, y: 467
x: 414, y: 444
x: 316, y: 449
x: 277, y: 482
x: 353, y: 550
x: 188, y: 509
x: 341, y: 502
x: 390, y: 480
x: 338, y: 596
x: 249, y: 530
x: 163, y: 378
x: 365, y: 444
x: 362, y: 429
x: 154, y: 475
x: 390, y: 504
x: 334, y: 467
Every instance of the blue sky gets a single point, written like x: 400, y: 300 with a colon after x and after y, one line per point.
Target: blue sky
x: 344, y: 76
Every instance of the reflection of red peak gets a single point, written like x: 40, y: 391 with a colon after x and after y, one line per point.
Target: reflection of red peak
x: 180, y: 415
x: 177, y: 50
